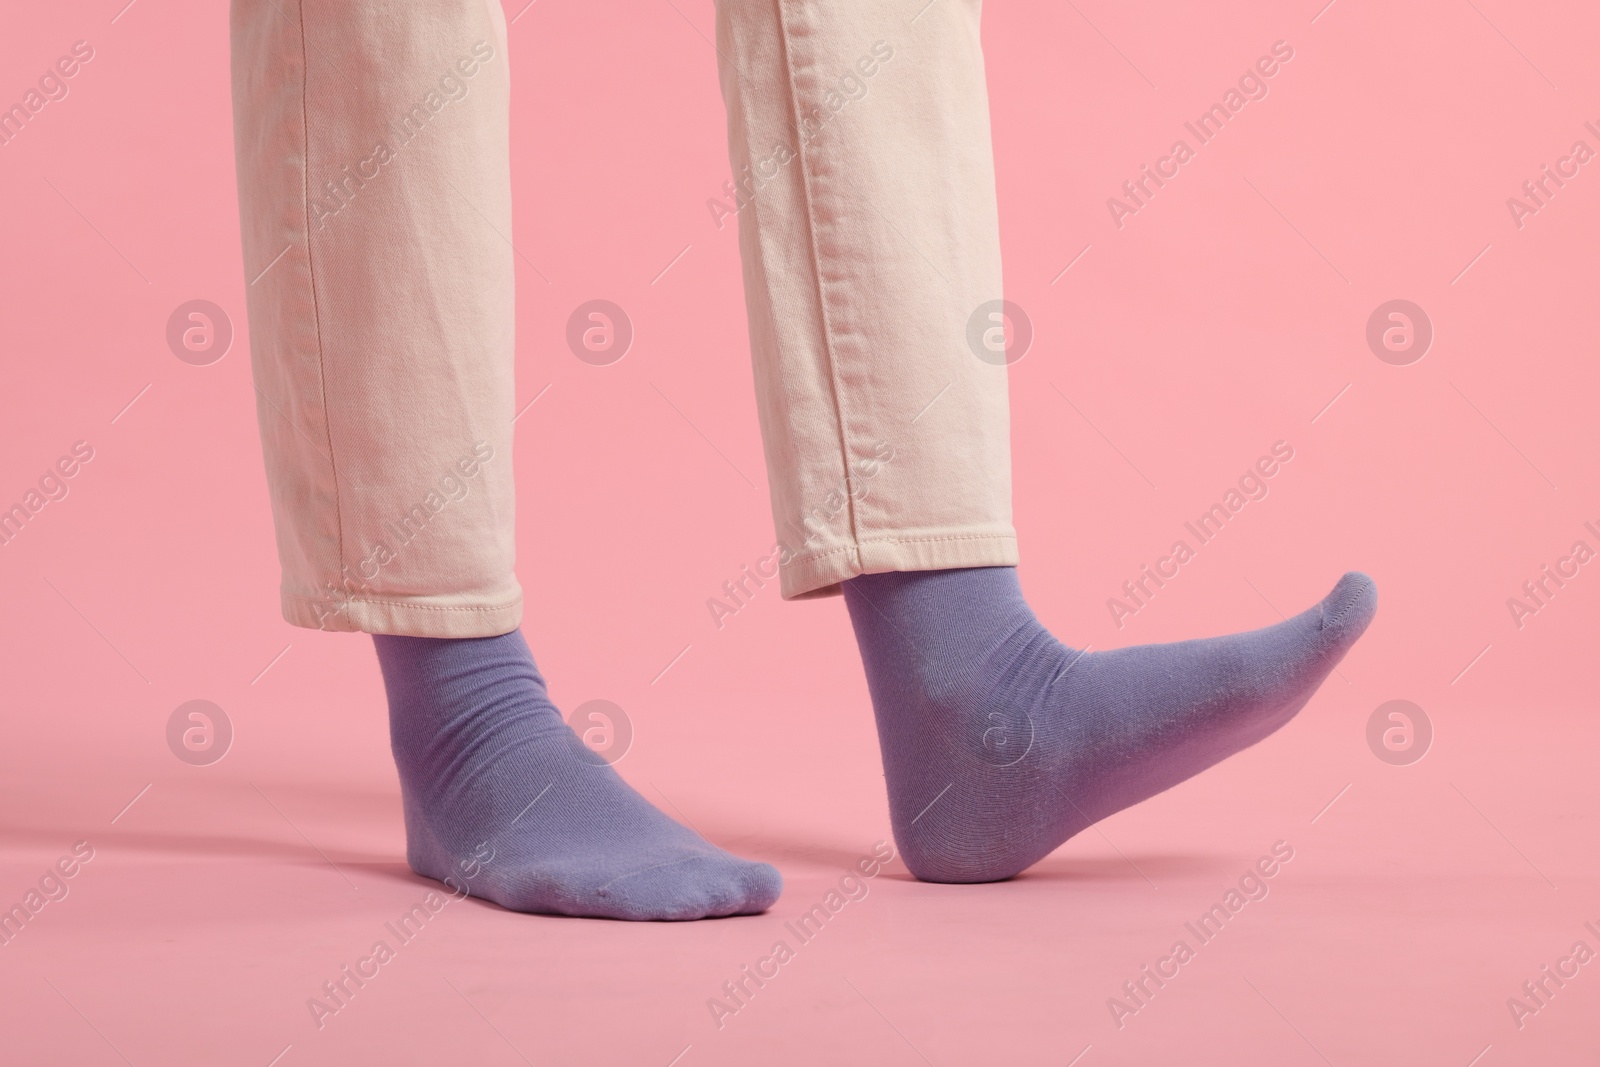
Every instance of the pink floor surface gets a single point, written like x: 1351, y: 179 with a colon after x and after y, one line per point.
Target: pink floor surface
x: 1416, y: 902
x: 1228, y: 313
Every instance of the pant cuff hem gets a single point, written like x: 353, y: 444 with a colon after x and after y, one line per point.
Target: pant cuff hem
x: 410, y: 618
x: 819, y: 575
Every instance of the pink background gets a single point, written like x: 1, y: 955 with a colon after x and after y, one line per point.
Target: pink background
x: 1224, y: 316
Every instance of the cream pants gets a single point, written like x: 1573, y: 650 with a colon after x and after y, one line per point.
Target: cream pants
x: 373, y: 158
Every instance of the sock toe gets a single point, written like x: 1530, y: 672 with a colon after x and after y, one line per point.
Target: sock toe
x: 1349, y: 608
x: 711, y: 885
x: 762, y: 885
x: 740, y: 887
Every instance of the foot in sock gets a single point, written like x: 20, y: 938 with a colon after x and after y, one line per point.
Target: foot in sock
x: 503, y: 800
x: 999, y: 742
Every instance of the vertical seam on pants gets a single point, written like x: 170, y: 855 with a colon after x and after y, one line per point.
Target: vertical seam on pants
x: 816, y: 267
x: 311, y: 269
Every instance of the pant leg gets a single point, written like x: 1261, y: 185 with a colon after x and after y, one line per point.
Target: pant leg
x: 372, y: 142
x: 859, y: 140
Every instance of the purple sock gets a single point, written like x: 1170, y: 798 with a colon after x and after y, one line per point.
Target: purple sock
x: 504, y: 800
x: 999, y: 742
